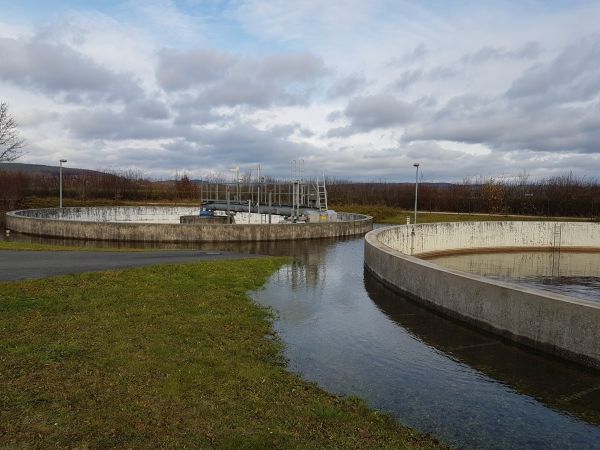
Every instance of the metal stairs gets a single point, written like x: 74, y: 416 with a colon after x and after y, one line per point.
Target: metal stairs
x: 322, y: 195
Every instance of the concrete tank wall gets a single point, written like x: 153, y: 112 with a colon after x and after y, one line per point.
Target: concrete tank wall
x: 153, y: 214
x: 452, y: 237
x: 78, y: 223
x: 554, y: 323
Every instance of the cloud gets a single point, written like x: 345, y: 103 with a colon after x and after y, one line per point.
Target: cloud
x: 147, y: 109
x: 443, y: 73
x: 503, y: 125
x: 291, y: 68
x: 551, y: 107
x: 346, y: 86
x: 407, y: 78
x: 574, y: 75
x: 248, y: 144
x: 341, y: 132
x: 61, y: 72
x: 433, y: 151
x: 530, y: 50
x: 110, y: 125
x: 375, y: 111
x: 179, y: 70
x: 413, y: 56
x: 282, y: 79
x: 417, y: 54
x: 167, y: 85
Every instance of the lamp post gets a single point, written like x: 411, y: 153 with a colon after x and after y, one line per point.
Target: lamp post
x: 416, y: 188
x: 60, y: 195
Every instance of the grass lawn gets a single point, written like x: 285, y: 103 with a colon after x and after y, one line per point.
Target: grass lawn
x: 164, y: 356
x: 391, y: 215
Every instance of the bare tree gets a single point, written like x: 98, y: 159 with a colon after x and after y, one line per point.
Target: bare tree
x: 10, y: 142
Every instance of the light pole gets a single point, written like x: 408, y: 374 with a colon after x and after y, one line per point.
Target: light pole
x: 60, y: 195
x: 416, y: 188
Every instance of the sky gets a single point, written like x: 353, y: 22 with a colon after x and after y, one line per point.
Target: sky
x: 354, y: 89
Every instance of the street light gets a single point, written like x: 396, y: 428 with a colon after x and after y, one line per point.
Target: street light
x: 416, y: 188
x: 60, y: 195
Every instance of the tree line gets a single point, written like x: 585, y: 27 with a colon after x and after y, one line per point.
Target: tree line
x: 554, y: 196
x: 565, y: 195
x: 18, y: 189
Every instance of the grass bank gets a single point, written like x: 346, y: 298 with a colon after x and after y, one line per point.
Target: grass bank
x: 391, y: 215
x: 164, y: 356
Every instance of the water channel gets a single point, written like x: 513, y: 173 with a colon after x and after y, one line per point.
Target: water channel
x: 351, y: 335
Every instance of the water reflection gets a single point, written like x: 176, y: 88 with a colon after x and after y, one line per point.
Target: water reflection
x: 571, y: 273
x: 353, y: 336
x: 301, y: 250
x: 570, y: 388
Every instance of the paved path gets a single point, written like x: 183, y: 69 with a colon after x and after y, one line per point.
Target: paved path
x: 19, y: 265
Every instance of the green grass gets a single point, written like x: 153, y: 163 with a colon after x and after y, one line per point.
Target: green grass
x: 164, y: 356
x: 391, y: 215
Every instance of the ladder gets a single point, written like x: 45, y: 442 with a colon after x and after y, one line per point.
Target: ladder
x: 322, y: 195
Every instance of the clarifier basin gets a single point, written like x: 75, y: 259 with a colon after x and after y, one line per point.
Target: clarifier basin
x: 161, y: 224
x: 558, y: 324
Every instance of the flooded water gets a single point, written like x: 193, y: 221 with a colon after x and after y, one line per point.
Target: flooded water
x: 569, y: 273
x: 351, y: 335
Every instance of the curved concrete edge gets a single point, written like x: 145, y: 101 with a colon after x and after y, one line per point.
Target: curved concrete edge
x: 137, y: 213
x: 457, y: 237
x: 350, y: 225
x: 553, y: 323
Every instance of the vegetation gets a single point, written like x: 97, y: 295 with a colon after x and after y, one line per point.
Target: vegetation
x: 10, y: 142
x: 562, y: 196
x: 390, y: 215
x: 164, y: 356
x: 555, y: 196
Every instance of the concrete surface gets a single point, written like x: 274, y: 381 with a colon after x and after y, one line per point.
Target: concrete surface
x: 553, y: 323
x: 137, y: 214
x: 19, y: 265
x: 53, y: 222
x: 453, y: 237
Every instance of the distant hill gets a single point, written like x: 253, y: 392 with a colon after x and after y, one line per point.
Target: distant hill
x: 42, y: 169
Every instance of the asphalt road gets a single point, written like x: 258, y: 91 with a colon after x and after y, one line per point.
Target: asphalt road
x: 20, y: 265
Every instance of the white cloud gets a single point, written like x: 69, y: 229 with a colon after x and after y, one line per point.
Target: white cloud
x: 359, y: 89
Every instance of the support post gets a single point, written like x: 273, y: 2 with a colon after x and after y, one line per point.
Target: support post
x: 416, y: 189
x: 61, y: 183
x: 228, y: 212
x: 270, y: 205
